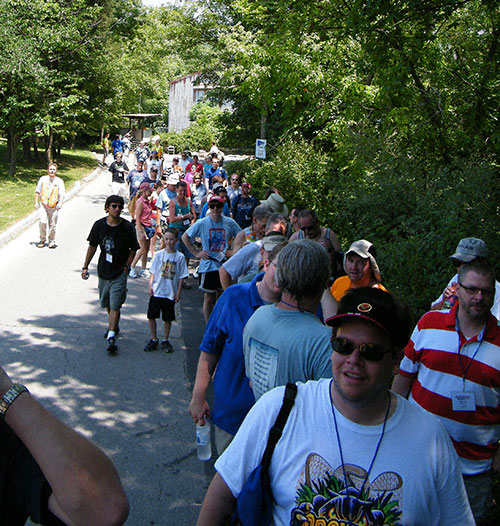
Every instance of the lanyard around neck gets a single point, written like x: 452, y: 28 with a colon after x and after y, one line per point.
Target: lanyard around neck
x: 346, y: 486
x: 480, y: 338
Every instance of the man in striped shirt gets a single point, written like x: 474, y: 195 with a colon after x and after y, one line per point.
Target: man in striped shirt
x: 451, y: 368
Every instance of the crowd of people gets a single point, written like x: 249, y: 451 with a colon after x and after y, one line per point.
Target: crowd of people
x: 389, y: 426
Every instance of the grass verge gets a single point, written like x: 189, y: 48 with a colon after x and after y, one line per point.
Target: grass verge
x: 18, y: 192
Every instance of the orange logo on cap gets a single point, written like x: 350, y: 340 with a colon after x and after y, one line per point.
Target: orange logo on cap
x: 364, y: 307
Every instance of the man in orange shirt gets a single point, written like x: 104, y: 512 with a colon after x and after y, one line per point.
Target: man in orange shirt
x: 361, y: 269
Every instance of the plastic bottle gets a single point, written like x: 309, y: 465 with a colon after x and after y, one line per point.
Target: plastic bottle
x: 203, y: 442
x: 448, y: 304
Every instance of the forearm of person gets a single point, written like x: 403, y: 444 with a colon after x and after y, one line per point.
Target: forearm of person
x: 402, y: 385
x: 88, y: 257
x: 131, y: 256
x: 225, y: 278
x: 187, y: 241
x: 329, y: 304
x: 218, y: 504
x: 198, y: 406
x: 85, y: 486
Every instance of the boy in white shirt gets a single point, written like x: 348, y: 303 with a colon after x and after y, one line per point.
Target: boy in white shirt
x: 168, y: 271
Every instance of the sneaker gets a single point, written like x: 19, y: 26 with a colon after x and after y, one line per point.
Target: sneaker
x: 52, y: 244
x: 195, y: 273
x: 166, y: 346
x: 152, y: 345
x: 145, y: 273
x: 41, y: 244
x: 111, y: 345
x: 132, y: 273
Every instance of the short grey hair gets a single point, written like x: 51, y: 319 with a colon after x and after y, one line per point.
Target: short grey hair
x: 303, y: 269
x: 261, y: 212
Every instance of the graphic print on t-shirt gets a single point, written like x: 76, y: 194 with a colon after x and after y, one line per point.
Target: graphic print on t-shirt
x: 216, y: 240
x: 108, y: 244
x: 262, y: 366
x: 322, y: 498
x: 168, y: 269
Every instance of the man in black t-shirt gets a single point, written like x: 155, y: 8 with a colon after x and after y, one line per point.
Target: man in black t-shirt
x: 119, y: 170
x: 118, y: 242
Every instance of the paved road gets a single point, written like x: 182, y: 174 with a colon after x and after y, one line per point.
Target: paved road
x: 134, y: 404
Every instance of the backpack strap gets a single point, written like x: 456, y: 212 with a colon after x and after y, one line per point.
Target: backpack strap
x: 275, y: 433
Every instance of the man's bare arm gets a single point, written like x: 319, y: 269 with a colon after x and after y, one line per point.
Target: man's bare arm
x: 225, y: 278
x: 85, y: 486
x: 218, y: 504
x: 198, y: 407
x: 402, y: 384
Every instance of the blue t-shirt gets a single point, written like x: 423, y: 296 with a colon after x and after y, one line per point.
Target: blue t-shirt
x: 211, y: 173
x: 214, y: 239
x: 233, y: 396
x: 117, y: 146
x: 135, y: 178
x: 283, y: 346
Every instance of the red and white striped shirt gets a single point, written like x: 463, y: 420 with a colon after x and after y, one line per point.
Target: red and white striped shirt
x: 442, y: 361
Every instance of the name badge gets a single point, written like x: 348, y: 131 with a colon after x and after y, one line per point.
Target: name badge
x: 463, y: 401
x: 109, y: 258
x: 186, y: 222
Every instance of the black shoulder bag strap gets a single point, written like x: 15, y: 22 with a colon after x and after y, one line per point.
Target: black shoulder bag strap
x: 275, y: 433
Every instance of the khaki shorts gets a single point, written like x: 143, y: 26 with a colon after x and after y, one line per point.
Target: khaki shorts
x: 113, y: 292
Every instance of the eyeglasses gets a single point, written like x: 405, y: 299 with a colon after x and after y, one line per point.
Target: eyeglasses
x: 373, y: 352
x: 115, y: 205
x: 218, y: 205
x: 472, y: 291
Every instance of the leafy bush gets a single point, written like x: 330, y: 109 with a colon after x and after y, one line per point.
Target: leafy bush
x: 200, y: 134
x: 413, y: 214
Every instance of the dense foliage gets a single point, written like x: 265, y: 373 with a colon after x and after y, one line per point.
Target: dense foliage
x: 380, y: 115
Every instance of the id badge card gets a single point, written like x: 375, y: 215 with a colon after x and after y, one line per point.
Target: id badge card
x: 109, y: 258
x: 186, y: 222
x: 463, y: 401
x: 221, y: 256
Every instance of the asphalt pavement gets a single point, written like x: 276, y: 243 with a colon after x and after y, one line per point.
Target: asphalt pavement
x: 134, y: 404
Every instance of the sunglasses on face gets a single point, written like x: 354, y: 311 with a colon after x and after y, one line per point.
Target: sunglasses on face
x: 373, y: 352
x: 115, y: 205
x: 218, y: 205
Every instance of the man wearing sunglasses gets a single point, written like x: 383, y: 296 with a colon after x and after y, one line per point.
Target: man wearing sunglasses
x: 351, y: 452
x: 310, y: 228
x: 216, y: 232
x: 451, y: 368
x: 118, y: 242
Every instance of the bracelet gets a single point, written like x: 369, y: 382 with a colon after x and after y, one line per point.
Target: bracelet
x: 9, y: 397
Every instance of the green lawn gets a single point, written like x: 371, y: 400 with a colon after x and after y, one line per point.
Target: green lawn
x: 18, y: 192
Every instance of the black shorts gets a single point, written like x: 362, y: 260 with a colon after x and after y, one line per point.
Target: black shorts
x: 210, y: 281
x: 163, y: 305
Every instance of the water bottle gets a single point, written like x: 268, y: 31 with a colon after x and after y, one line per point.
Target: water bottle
x: 448, y: 304
x: 203, y: 442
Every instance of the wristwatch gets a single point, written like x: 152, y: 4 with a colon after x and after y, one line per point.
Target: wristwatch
x: 9, y: 397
